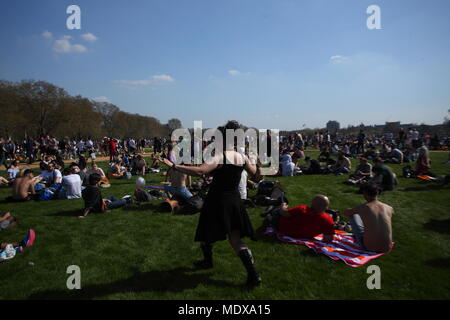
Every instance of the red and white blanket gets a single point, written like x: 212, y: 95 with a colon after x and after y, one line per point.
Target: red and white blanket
x: 342, y: 247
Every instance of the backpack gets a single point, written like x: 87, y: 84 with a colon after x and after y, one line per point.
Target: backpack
x: 192, y: 206
x: 265, y: 188
x: 407, y: 172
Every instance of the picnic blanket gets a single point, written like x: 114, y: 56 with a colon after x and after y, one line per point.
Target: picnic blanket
x: 342, y: 247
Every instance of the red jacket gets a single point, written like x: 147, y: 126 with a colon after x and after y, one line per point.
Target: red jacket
x: 303, y: 223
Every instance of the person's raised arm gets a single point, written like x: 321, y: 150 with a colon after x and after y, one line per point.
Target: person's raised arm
x: 193, y: 171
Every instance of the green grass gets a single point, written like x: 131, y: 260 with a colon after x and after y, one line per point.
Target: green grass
x: 141, y: 253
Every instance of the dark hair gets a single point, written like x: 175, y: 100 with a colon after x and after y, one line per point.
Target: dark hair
x: 233, y: 125
x: 67, y: 171
x: 94, y: 179
x: 27, y: 171
x: 370, y: 189
x: 307, y: 158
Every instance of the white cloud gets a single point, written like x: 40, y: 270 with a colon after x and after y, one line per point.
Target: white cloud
x: 63, y: 45
x: 338, y: 59
x: 155, y: 79
x: 47, y: 35
x: 102, y: 99
x: 162, y: 78
x: 89, y: 37
x: 234, y: 72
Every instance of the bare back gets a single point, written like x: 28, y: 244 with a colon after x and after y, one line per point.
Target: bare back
x: 376, y: 217
x: 22, y: 187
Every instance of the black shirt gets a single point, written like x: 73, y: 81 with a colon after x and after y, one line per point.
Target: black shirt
x: 92, y: 197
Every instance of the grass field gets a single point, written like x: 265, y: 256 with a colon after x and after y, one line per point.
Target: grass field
x: 140, y: 253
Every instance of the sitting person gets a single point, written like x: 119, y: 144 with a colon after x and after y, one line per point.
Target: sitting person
x: 179, y: 183
x: 343, y: 165
x: 371, y: 222
x: 396, y: 156
x: 82, y: 173
x: 7, y: 220
x: 303, y: 222
x: 423, y: 164
x: 287, y: 166
x: 23, y: 187
x: 125, y: 160
x: 383, y: 177
x: 13, y: 170
x: 51, y: 175
x: 298, y: 154
x: 363, y: 172
x: 312, y: 166
x: 96, y: 169
x: 155, y: 167
x: 117, y: 170
x: 71, y: 185
x: 93, y: 201
x: 138, y: 165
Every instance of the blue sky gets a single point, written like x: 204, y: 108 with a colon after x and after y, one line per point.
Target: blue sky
x: 270, y: 64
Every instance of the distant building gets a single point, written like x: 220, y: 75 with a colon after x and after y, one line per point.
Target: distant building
x: 333, y: 126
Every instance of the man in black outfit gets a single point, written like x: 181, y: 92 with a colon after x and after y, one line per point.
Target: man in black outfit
x: 93, y: 201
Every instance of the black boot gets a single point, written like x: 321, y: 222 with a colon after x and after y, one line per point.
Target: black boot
x: 207, y: 262
x: 253, y: 278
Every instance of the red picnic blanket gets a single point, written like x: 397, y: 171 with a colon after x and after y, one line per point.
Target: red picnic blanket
x: 342, y: 247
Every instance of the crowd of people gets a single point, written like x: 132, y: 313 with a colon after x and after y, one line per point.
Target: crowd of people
x: 65, y: 173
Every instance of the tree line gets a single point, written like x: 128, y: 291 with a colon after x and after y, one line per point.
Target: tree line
x: 39, y: 108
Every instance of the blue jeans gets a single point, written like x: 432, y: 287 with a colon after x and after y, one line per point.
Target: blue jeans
x: 358, y: 230
x: 115, y: 203
x: 182, y: 192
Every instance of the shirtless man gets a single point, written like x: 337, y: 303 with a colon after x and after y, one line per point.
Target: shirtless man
x: 23, y: 187
x: 179, y: 182
x: 371, y: 222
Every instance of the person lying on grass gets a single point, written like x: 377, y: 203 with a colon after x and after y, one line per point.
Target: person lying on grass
x: 303, y: 222
x: 27, y: 241
x: 93, y: 201
x: 7, y: 220
x: 371, y: 221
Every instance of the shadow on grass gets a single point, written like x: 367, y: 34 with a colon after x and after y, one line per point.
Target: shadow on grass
x: 428, y: 187
x: 261, y: 236
x: 443, y: 263
x: 144, y: 207
x: 175, y: 280
x: 68, y: 213
x: 441, y: 226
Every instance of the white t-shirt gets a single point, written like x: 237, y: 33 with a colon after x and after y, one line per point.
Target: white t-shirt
x: 50, y: 175
x: 72, y: 185
x: 243, y: 185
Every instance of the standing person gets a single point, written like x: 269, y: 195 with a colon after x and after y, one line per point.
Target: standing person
x: 3, y: 153
x: 223, y: 214
x: 112, y: 150
x: 361, y: 140
x: 29, y: 150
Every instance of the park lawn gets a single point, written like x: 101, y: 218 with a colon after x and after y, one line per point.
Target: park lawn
x: 141, y: 253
